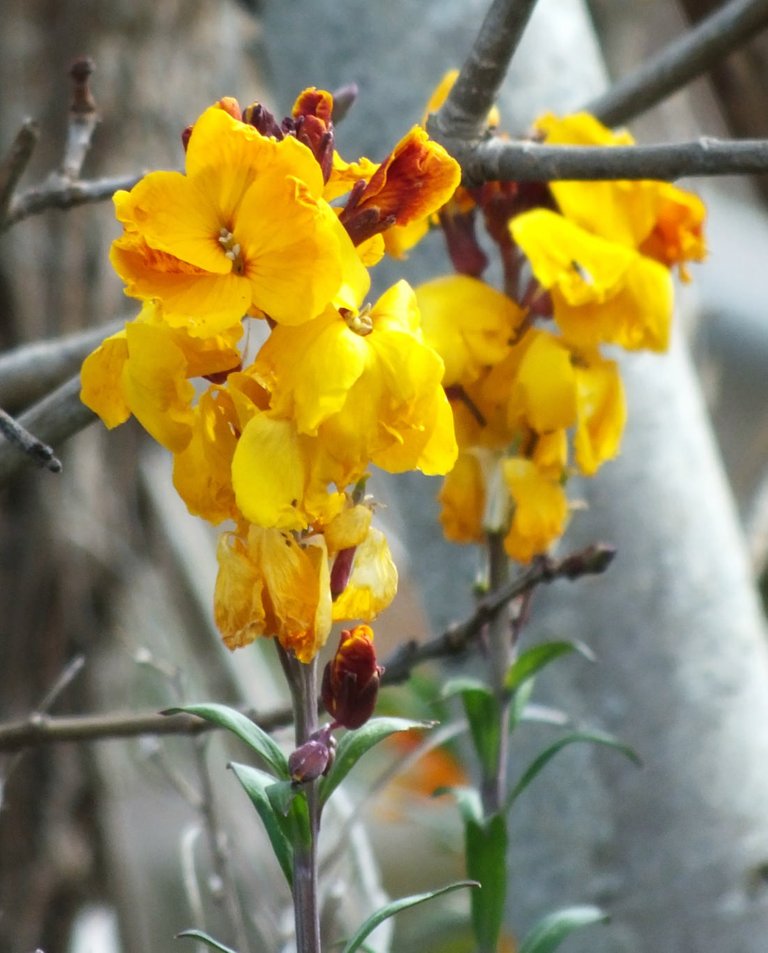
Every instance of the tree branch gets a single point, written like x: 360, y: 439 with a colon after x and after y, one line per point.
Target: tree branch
x: 61, y: 193
x: 19, y: 437
x: 682, y: 61
x: 56, y: 417
x: 464, y: 112
x: 502, y: 160
x: 15, y: 162
x: 42, y: 729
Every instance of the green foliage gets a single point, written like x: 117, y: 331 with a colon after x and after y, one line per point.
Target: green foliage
x: 256, y: 784
x: 354, y: 745
x: 534, y: 659
x: 246, y: 730
x: 486, y: 857
x: 551, y: 930
x: 538, y: 763
x: 204, y: 938
x: 404, y: 903
x: 482, y: 711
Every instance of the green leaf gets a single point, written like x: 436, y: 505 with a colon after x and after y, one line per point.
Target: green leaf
x: 532, y: 660
x: 256, y: 784
x: 468, y: 802
x: 354, y: 745
x: 482, y: 711
x: 551, y: 930
x: 239, y: 724
x: 520, y: 702
x: 592, y: 737
x: 395, y: 907
x: 289, y: 801
x: 486, y: 859
x: 204, y: 938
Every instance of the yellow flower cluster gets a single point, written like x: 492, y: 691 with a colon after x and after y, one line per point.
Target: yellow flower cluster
x: 585, y: 264
x: 253, y: 287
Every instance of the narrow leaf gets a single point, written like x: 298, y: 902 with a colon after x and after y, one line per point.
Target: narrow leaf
x: 290, y: 803
x: 239, y: 724
x: 355, y: 743
x: 395, y: 907
x: 482, y: 711
x: 204, y: 938
x: 468, y: 802
x: 592, y: 737
x: 457, y: 686
x: 256, y: 784
x: 486, y: 859
x: 532, y: 660
x: 551, y: 930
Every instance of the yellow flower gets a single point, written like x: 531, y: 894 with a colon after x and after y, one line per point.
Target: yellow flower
x: 462, y: 501
x: 602, y: 413
x: 468, y: 323
x: 270, y: 584
x: 245, y: 230
x: 540, y: 509
x: 372, y: 584
x: 663, y: 221
x: 602, y: 291
x: 144, y: 370
x: 365, y: 385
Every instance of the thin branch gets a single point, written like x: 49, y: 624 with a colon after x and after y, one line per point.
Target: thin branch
x: 25, y: 442
x: 464, y: 112
x: 62, y: 194
x: 83, y: 119
x: 58, y: 416
x: 15, y: 162
x: 40, y: 729
x: 505, y: 161
x: 592, y: 560
x: 682, y: 61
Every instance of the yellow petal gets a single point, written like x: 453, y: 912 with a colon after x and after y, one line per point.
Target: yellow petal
x: 269, y: 473
x: 540, y: 511
x: 99, y: 378
x: 544, y: 392
x: 602, y: 415
x: 373, y: 583
x: 462, y: 500
x: 348, y: 529
x: 468, y: 323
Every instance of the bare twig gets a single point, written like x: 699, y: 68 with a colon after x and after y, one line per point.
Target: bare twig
x: 30, y: 371
x: 15, y: 162
x: 498, y: 160
x: 17, y: 436
x: 682, y: 61
x: 58, y: 416
x: 83, y: 119
x: 464, y: 112
x: 62, y: 195
x: 41, y: 729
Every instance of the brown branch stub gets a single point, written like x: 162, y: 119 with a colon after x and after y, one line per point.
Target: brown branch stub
x: 681, y: 61
x: 463, y: 115
x: 525, y: 161
x: 83, y: 119
x: 15, y: 162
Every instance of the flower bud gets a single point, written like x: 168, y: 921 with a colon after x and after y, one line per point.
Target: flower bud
x: 351, y: 679
x: 313, y: 758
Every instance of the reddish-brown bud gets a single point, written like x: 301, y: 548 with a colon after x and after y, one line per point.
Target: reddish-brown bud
x: 351, y: 679
x: 314, y: 757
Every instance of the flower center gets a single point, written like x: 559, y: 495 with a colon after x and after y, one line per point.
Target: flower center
x: 232, y: 250
x: 360, y: 323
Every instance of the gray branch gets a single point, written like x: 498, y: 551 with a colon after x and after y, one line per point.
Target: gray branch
x: 500, y: 160
x: 682, y: 61
x: 464, y: 112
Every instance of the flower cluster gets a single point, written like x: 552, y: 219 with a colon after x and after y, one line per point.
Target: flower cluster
x: 534, y: 397
x: 256, y: 361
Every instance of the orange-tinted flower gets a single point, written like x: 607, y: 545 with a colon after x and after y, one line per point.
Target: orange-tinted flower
x: 245, y: 230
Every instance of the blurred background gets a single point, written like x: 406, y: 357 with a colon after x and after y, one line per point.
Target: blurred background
x: 106, y: 582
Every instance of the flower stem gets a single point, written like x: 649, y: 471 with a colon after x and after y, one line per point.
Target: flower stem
x: 499, y: 658
x: 302, y: 681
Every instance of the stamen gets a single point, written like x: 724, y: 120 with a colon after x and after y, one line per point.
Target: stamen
x: 231, y: 250
x: 360, y: 323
